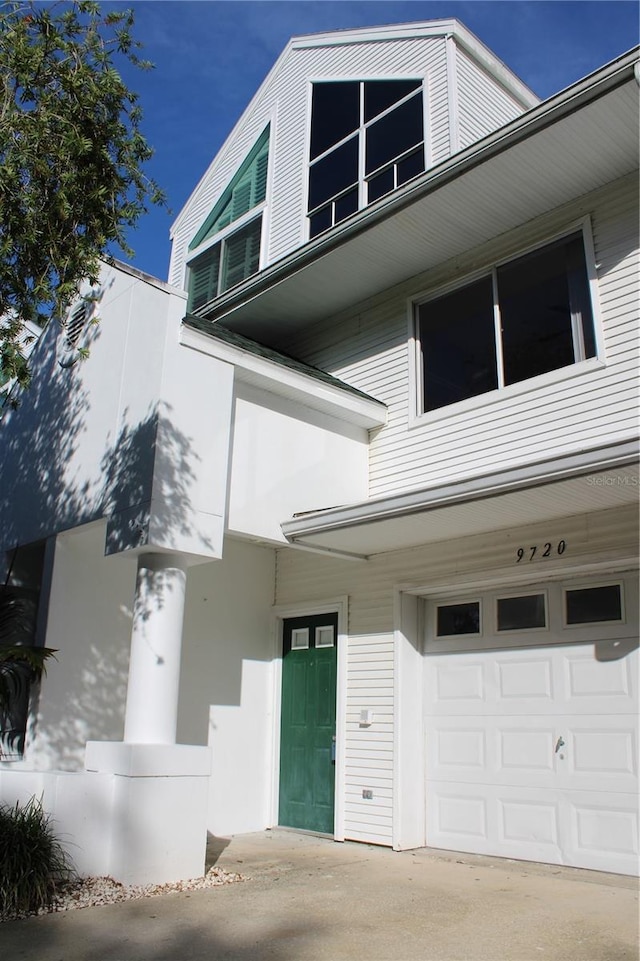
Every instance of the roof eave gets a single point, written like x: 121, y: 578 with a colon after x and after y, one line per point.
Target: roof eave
x: 568, y: 101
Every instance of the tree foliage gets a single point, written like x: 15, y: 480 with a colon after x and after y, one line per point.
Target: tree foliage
x: 72, y: 159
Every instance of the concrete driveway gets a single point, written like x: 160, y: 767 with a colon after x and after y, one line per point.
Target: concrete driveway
x: 310, y: 899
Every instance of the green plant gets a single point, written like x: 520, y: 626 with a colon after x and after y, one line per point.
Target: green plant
x: 18, y: 666
x: 72, y: 159
x: 33, y: 864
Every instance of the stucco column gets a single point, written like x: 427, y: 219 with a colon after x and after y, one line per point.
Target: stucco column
x: 156, y: 639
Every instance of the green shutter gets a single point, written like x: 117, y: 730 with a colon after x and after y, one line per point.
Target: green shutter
x: 245, y: 191
x: 203, y: 278
x: 241, y: 256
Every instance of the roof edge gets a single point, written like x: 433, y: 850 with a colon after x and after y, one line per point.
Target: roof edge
x: 285, y: 375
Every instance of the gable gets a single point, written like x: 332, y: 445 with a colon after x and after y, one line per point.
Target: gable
x: 423, y: 53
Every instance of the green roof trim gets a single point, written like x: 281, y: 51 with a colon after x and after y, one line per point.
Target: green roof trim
x: 247, y: 189
x: 259, y: 350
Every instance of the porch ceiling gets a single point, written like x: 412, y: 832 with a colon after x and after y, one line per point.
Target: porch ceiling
x: 555, y: 153
x: 478, y: 512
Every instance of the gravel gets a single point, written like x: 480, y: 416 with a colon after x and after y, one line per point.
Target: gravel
x: 90, y: 892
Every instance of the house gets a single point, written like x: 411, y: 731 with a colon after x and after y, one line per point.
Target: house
x: 338, y: 528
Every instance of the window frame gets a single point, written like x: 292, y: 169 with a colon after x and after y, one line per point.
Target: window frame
x: 360, y: 132
x: 220, y: 240
x: 582, y: 625
x: 418, y: 416
x: 261, y: 210
x: 511, y: 594
x: 454, y: 602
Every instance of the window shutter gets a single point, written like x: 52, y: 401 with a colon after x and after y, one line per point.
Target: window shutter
x: 241, y: 199
x: 246, y: 190
x: 203, y: 278
x: 241, y: 255
x: 262, y: 164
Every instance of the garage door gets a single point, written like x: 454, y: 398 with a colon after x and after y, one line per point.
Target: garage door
x: 533, y: 753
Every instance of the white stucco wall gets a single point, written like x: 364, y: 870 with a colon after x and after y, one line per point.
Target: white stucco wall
x: 137, y: 432
x: 288, y: 458
x: 89, y: 624
x: 226, y: 686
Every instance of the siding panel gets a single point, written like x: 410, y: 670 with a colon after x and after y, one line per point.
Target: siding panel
x: 482, y: 105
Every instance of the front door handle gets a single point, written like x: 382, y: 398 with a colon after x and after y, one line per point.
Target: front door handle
x: 333, y: 749
x: 559, y: 744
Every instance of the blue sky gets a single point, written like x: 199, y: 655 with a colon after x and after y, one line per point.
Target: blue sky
x: 210, y: 57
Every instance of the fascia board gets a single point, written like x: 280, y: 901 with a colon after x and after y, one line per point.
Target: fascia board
x: 489, y: 485
x: 276, y: 379
x: 538, y: 118
x: 494, y: 66
x: 392, y: 31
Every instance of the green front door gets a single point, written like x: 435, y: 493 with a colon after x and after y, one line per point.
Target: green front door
x: 307, y: 737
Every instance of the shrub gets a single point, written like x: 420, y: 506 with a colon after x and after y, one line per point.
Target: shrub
x: 33, y: 863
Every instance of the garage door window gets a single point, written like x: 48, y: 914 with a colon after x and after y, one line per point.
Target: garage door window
x: 594, y: 605
x: 536, y: 616
x: 523, y: 613
x: 458, y: 619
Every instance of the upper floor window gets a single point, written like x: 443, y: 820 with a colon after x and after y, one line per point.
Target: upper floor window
x: 523, y: 318
x: 236, y: 220
x: 367, y: 138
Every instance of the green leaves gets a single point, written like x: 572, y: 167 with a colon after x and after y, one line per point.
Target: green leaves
x: 33, y: 864
x: 71, y: 158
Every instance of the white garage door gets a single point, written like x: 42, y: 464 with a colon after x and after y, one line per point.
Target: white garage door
x: 533, y: 754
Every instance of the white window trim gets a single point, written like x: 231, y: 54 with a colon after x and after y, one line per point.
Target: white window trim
x: 220, y: 240
x: 419, y: 417
x: 226, y: 232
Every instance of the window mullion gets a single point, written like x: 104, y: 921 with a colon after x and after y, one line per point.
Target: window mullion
x: 497, y: 322
x: 362, y: 143
x: 221, y: 263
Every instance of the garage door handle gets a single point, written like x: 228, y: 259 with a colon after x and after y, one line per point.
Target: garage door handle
x: 559, y: 744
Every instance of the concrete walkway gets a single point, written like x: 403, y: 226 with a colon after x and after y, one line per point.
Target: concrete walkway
x: 310, y: 899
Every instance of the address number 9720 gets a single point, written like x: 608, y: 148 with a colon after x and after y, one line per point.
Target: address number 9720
x: 540, y: 550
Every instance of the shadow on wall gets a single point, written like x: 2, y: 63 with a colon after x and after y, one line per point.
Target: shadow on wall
x: 96, y: 686
x: 142, y: 468
x: 50, y: 442
x: 37, y: 441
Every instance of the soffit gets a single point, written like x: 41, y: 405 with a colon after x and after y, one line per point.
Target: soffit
x: 572, y: 156
x: 597, y: 491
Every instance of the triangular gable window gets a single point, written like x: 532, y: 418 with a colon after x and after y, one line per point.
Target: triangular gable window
x: 237, y: 254
x: 247, y: 189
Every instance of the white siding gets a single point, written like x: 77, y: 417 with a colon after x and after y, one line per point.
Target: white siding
x: 304, y: 577
x: 483, y: 106
x: 368, y: 349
